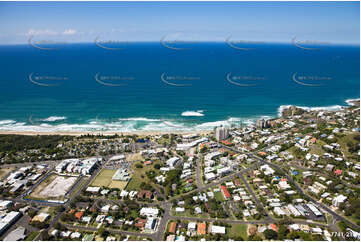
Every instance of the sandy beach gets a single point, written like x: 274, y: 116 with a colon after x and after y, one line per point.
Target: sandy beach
x: 140, y: 133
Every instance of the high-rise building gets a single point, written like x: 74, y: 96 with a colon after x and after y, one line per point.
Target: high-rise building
x: 261, y: 123
x: 221, y: 133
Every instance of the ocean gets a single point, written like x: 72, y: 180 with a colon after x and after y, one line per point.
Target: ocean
x: 150, y: 87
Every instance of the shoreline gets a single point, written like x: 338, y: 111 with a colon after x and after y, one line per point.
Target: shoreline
x: 349, y: 103
x: 105, y: 133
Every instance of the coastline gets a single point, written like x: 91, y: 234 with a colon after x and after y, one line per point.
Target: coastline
x: 105, y: 133
x: 349, y: 103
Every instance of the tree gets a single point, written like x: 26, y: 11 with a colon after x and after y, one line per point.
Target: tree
x: 59, y: 209
x: 282, y: 232
x: 255, y: 238
x: 270, y: 234
x: 44, y: 235
x: 102, y: 232
x: 31, y: 213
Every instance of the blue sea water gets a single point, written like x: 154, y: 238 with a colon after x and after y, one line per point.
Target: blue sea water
x: 193, y: 95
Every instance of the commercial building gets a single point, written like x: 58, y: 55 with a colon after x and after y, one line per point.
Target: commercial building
x: 121, y: 175
x: 16, y: 234
x: 172, y: 161
x: 221, y: 133
x: 8, y: 219
x: 150, y: 224
x: 84, y: 167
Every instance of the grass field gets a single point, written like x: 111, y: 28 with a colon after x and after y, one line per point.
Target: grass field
x: 317, y: 148
x: 219, y: 196
x: 32, y: 236
x: 239, y: 230
x: 139, y: 174
x: 344, y: 140
x: 104, y: 179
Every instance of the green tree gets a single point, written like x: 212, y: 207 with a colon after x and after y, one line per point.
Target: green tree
x: 270, y: 234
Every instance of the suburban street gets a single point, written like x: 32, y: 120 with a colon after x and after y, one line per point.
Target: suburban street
x: 166, y: 204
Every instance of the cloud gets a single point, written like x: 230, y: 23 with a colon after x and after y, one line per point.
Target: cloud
x: 69, y: 32
x: 32, y: 32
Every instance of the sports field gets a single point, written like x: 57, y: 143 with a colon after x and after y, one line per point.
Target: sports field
x: 104, y: 179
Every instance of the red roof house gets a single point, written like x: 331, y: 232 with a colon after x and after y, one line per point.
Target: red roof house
x: 338, y: 172
x: 225, y: 192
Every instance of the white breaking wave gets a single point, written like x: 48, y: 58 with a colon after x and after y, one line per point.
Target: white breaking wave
x: 8, y: 121
x: 44, y: 127
x: 198, y: 113
x: 140, y: 123
x: 350, y: 101
x: 54, y: 118
x: 140, y: 119
x: 308, y: 109
x: 122, y: 125
x: 227, y: 123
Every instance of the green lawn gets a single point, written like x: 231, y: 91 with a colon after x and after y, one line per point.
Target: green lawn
x: 32, y: 236
x: 239, y: 230
x: 104, y: 178
x: 137, y: 179
x: 219, y: 196
x: 344, y: 140
x: 317, y: 148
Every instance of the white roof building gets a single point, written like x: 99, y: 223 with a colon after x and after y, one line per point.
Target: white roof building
x: 93, y: 189
x: 192, y: 226
x: 149, y: 212
x: 338, y: 200
x: 179, y: 209
x: 210, y: 176
x: 172, y: 161
x: 218, y: 229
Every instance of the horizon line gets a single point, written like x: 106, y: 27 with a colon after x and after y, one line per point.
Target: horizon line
x: 255, y: 42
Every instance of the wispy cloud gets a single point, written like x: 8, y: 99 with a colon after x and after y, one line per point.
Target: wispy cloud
x: 70, y: 32
x: 50, y: 32
x: 34, y: 32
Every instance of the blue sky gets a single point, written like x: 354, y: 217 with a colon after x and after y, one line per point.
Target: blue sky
x: 334, y: 22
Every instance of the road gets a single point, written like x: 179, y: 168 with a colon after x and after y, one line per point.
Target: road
x: 166, y: 205
x: 19, y: 165
x: 300, y: 190
x: 259, y: 204
x: 217, y: 182
x: 199, y: 172
x: 116, y: 231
